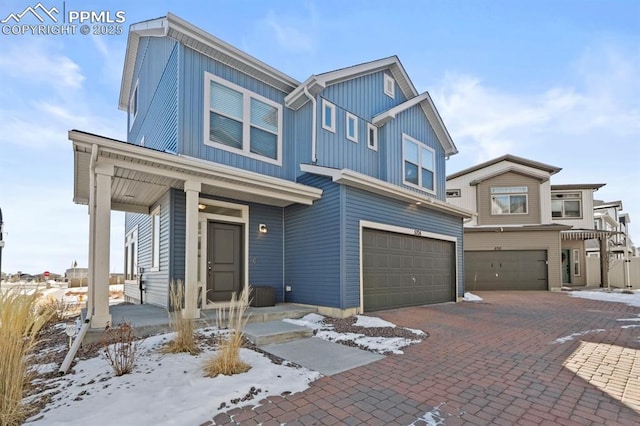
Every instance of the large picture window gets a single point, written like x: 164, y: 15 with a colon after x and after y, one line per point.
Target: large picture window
x: 418, y: 164
x: 241, y: 121
x: 567, y: 205
x: 509, y: 200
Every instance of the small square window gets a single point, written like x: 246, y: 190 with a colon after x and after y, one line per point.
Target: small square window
x: 372, y: 137
x: 328, y: 116
x: 389, y: 86
x: 352, y: 127
x: 453, y: 193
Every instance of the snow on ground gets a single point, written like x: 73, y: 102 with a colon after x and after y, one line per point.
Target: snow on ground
x: 470, y: 297
x: 574, y: 335
x: 163, y: 388
x: 632, y: 299
x: 380, y: 345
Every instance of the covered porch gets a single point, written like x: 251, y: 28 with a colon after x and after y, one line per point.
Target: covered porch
x: 114, y: 175
x: 592, y: 234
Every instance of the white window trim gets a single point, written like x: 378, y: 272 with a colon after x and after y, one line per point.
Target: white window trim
x: 326, y: 104
x: 131, y: 238
x: 155, y: 241
x: 246, y: 120
x: 392, y: 91
x: 353, y: 138
x: 375, y: 137
x: 419, y: 185
x: 576, y: 262
x: 133, y: 112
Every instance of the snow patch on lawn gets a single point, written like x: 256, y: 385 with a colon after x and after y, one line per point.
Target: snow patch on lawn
x: 574, y: 335
x: 470, y: 297
x: 431, y: 418
x: 370, y: 322
x: 631, y: 326
x: 631, y: 299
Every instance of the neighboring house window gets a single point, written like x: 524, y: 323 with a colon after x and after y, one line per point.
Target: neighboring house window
x: 372, y: 136
x: 241, y: 121
x: 133, y: 106
x: 566, y: 205
x: 352, y: 127
x: 389, y: 86
x: 155, y: 239
x: 328, y: 116
x: 453, y: 193
x: 576, y: 262
x: 131, y: 255
x: 509, y: 200
x: 597, y: 224
x: 418, y: 164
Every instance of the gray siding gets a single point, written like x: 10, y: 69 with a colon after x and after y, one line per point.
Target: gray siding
x: 312, y: 247
x: 191, y: 115
x: 156, y: 71
x: 387, y: 211
x: 178, y: 230
x: 509, y: 179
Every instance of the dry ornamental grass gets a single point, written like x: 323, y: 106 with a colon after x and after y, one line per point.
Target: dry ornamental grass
x: 183, y: 327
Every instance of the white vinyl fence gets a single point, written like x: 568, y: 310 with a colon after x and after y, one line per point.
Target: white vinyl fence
x: 617, y: 272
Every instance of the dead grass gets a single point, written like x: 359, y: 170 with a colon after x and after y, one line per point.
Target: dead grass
x: 183, y: 327
x: 227, y: 359
x: 56, y: 309
x: 120, y: 348
x: 20, y: 324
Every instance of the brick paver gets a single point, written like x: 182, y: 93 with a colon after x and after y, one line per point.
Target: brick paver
x: 493, y: 362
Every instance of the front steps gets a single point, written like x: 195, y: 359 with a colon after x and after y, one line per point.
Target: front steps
x: 278, y: 331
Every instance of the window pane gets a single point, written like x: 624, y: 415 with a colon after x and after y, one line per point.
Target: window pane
x: 226, y: 101
x: 500, y: 204
x: 572, y: 208
x: 411, y: 152
x: 372, y: 136
x: 427, y: 179
x: 264, y: 116
x: 518, y: 204
x: 225, y: 130
x: 264, y: 143
x: 556, y: 208
x: 427, y: 159
x: 352, y: 127
x: 328, y: 119
x: 410, y: 172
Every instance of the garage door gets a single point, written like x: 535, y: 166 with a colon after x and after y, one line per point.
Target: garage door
x: 505, y: 270
x: 403, y: 270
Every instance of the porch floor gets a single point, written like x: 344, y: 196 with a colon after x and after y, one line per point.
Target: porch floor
x: 148, y: 320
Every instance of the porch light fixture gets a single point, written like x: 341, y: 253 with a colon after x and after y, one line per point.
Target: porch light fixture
x: 418, y: 203
x: 262, y: 228
x: 202, y: 206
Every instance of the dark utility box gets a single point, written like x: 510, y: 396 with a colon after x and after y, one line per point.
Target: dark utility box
x: 263, y: 296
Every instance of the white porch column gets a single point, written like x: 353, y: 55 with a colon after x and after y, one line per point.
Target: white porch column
x: 192, y: 190
x: 101, y: 245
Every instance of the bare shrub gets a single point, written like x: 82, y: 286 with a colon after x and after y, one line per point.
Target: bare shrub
x: 227, y: 359
x: 20, y: 324
x: 183, y: 327
x: 120, y: 348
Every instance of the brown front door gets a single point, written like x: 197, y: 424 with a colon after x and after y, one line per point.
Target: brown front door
x: 224, y: 261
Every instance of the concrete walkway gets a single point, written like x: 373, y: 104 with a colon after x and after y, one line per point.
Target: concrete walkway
x: 516, y: 358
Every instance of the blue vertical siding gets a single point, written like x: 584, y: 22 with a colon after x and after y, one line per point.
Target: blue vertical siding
x: 358, y: 206
x: 302, y: 139
x: 312, y: 247
x: 156, y: 73
x: 191, y: 115
x: 414, y: 123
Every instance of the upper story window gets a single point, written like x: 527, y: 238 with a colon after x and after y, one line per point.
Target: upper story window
x: 389, y: 86
x: 133, y: 106
x: 241, y: 121
x: 352, y: 127
x: 372, y: 137
x: 453, y: 193
x: 418, y: 164
x: 328, y: 116
x: 566, y: 205
x: 509, y: 200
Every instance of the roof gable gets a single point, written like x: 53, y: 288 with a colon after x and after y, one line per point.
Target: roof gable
x: 551, y: 170
x: 521, y: 172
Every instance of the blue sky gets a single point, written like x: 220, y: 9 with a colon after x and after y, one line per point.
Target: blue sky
x: 553, y: 81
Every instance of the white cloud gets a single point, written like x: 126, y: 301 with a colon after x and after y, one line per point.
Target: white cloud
x: 294, y: 34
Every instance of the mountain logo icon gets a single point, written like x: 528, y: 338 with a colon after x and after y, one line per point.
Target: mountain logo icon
x: 39, y: 11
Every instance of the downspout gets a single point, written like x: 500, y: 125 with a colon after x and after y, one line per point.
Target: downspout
x: 314, y: 153
x: 76, y: 345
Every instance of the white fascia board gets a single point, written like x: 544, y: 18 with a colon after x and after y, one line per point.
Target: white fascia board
x: 194, y: 167
x: 358, y: 180
x: 391, y: 113
x: 296, y: 99
x: 152, y: 28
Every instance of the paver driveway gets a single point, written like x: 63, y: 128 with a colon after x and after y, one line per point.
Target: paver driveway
x: 510, y: 359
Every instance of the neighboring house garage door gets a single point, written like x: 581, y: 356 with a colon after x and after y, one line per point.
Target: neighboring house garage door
x: 505, y: 270
x: 403, y: 270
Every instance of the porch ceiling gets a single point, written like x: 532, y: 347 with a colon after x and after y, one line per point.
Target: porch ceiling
x: 142, y: 175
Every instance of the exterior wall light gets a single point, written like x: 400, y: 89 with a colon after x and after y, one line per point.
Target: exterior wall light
x: 262, y: 228
x: 202, y: 206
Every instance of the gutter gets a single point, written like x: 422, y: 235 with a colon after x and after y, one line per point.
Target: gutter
x: 314, y: 117
x: 64, y: 367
